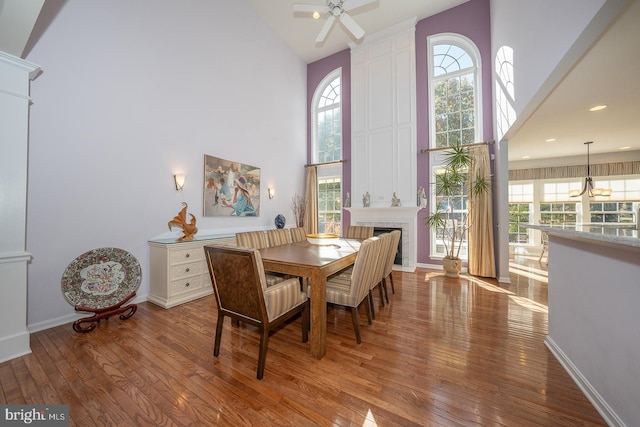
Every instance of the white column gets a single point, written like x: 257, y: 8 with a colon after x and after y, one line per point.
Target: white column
x: 15, y: 77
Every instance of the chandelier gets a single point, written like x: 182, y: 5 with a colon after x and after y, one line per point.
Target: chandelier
x: 588, y: 182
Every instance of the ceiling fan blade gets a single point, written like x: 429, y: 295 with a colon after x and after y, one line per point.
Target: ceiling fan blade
x: 354, y: 4
x: 309, y: 8
x: 352, y: 25
x: 325, y: 29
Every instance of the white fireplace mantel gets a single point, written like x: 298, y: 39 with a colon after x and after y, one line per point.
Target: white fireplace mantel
x: 395, y: 217
x: 393, y: 212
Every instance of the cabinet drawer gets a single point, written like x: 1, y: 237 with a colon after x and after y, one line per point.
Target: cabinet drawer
x: 185, y: 255
x: 187, y: 284
x: 186, y: 269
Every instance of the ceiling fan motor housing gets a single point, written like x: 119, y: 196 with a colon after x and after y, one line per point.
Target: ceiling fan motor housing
x: 335, y: 7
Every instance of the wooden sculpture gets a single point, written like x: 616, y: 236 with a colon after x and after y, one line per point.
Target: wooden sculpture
x: 180, y: 220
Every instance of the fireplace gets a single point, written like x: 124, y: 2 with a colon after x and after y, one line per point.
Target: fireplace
x: 380, y: 230
x: 392, y: 218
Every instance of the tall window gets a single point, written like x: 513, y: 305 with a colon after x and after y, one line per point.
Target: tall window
x: 327, y: 147
x: 520, y: 212
x: 454, y: 107
x: 454, y: 91
x: 556, y: 206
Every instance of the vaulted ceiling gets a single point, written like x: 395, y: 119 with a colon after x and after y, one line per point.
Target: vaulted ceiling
x: 607, y: 74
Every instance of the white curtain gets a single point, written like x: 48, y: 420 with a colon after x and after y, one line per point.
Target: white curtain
x: 481, y: 254
x: 311, y: 201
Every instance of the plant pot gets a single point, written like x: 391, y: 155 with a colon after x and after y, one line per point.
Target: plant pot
x: 451, y: 266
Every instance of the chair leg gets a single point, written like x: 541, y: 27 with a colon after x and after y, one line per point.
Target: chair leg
x: 356, y: 323
x: 380, y: 283
x: 393, y: 288
x: 262, y: 356
x: 386, y: 292
x: 368, y: 311
x: 541, y: 254
x: 370, y: 303
x: 305, y: 322
x: 216, y: 345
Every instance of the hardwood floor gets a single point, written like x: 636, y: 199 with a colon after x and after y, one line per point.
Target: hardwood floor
x: 444, y: 352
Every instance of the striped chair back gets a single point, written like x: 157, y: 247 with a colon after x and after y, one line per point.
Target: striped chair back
x: 298, y: 234
x: 251, y: 239
x: 279, y: 236
x: 358, y: 232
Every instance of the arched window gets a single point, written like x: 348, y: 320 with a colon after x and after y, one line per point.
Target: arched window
x: 455, y: 116
x: 454, y: 77
x: 327, y: 147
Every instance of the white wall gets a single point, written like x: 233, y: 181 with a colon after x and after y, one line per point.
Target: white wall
x: 133, y: 92
x: 540, y: 33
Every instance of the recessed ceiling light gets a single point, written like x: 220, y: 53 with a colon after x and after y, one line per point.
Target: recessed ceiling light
x: 526, y: 157
x: 549, y: 140
x: 316, y: 15
x: 626, y: 147
x: 598, y: 108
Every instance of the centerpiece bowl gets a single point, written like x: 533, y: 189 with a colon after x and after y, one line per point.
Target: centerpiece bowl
x: 322, y: 238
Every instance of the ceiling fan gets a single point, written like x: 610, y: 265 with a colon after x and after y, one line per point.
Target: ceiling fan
x: 335, y: 9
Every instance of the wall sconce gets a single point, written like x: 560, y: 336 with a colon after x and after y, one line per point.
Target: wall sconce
x: 179, y: 180
x: 270, y: 192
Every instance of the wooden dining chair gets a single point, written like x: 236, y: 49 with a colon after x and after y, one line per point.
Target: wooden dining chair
x: 351, y: 287
x: 298, y: 234
x: 242, y: 294
x: 279, y: 236
x: 358, y: 232
x: 258, y: 240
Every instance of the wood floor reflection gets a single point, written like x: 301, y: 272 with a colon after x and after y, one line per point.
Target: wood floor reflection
x: 444, y: 352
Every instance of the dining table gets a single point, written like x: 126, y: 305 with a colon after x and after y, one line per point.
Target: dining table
x: 315, y: 262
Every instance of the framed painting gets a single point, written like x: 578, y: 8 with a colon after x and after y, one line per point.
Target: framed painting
x: 230, y: 188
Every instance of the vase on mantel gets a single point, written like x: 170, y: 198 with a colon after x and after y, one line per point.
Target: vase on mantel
x: 451, y: 266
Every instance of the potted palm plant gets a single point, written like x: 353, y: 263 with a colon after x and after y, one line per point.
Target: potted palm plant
x: 448, y: 218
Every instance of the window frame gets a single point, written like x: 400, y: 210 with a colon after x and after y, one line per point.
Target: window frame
x: 332, y: 171
x: 473, y: 52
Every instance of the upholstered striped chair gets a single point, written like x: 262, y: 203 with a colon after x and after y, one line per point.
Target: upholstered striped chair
x: 257, y: 240
x: 380, y: 264
x: 242, y: 294
x: 351, y: 287
x: 358, y: 232
x: 298, y: 234
x: 251, y: 239
x: 388, y: 270
x: 279, y: 236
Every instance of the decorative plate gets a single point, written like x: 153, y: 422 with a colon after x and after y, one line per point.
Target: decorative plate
x: 101, y: 278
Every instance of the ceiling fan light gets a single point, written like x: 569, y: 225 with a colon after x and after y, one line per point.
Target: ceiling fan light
x: 574, y: 193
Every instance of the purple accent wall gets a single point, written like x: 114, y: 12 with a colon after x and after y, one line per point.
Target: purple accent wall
x: 316, y: 71
x: 472, y: 20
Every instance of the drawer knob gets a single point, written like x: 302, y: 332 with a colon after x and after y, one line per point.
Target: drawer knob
x: 186, y: 269
x: 187, y: 284
x: 187, y: 255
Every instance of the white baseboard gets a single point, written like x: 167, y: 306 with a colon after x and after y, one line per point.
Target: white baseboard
x: 14, y: 346
x: 610, y: 417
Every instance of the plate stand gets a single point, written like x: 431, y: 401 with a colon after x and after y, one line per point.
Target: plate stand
x: 104, y: 313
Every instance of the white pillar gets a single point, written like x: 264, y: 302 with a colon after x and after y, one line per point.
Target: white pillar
x: 15, y: 77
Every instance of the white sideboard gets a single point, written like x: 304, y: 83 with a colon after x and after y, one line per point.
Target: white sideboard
x: 179, y: 270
